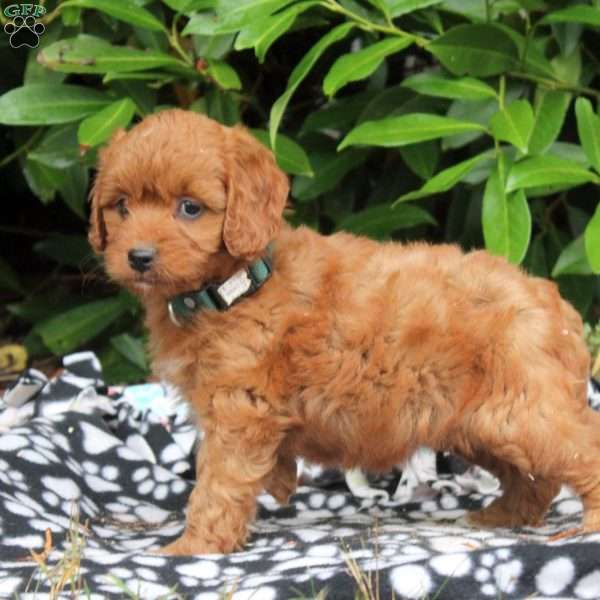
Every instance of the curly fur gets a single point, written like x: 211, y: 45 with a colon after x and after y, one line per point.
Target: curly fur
x: 350, y: 341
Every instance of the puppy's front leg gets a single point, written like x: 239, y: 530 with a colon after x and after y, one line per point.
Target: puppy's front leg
x: 238, y: 451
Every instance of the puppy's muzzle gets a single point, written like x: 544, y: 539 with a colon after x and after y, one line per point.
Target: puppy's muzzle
x: 141, y: 259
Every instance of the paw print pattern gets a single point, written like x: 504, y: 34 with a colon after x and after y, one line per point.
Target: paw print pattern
x: 127, y: 474
x: 498, y: 573
x: 159, y: 483
x: 24, y: 31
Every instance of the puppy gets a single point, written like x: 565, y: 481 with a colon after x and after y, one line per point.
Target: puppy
x: 291, y: 344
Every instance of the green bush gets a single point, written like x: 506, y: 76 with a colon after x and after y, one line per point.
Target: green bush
x: 467, y: 121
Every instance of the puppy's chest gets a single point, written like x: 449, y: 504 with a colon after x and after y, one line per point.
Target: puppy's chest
x: 172, y: 369
x: 174, y: 359
x: 200, y: 358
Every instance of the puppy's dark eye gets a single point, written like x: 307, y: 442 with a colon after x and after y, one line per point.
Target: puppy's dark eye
x: 121, y: 207
x: 188, y: 208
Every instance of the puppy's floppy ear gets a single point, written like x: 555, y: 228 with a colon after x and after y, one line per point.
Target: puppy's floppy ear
x: 256, y: 195
x: 97, y: 232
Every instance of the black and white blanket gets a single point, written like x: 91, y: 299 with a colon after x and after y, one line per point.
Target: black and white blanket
x: 93, y: 478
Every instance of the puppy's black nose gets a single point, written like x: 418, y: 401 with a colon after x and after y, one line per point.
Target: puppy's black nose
x: 140, y: 259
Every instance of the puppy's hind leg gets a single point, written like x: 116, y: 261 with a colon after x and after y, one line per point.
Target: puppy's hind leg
x: 524, y: 501
x: 582, y: 470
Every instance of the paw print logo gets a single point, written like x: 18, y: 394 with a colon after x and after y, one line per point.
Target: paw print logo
x: 24, y: 31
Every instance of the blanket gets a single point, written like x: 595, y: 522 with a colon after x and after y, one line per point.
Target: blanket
x: 92, y: 478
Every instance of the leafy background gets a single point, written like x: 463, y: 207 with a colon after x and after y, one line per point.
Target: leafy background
x: 467, y: 121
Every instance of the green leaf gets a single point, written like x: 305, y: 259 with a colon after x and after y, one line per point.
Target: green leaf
x: 471, y: 9
x: 70, y: 16
x: 291, y: 157
x: 480, y: 111
x: 588, y: 127
x: 547, y: 170
x: 158, y: 78
x: 359, y: 65
x: 573, y: 260
x: 578, y: 219
x: 568, y: 151
x: 535, y: 260
x: 592, y: 240
x: 131, y: 348
x: 123, y: 10
x: 480, y: 50
x: 73, y: 187
x: 47, y: 104
x: 579, y: 291
x: 119, y: 371
x: 402, y: 7
x: 55, y: 165
x: 422, y: 158
x: 153, y: 40
x: 329, y: 170
x: 586, y: 15
x: 213, y: 46
x: 141, y: 93
x: 223, y: 75
x: 262, y: 33
x: 58, y: 148
x: 550, y: 110
x: 406, y: 129
x: 222, y: 106
x: 9, y: 280
x: 184, y: 6
x: 43, y: 181
x: 568, y: 36
x: 99, y: 127
x: 300, y: 72
x: 36, y: 73
x: 567, y: 68
x: 514, y: 124
x: 380, y: 221
x: 388, y: 102
x: 446, y: 179
x: 75, y: 327
x: 338, y: 114
x: 201, y: 24
x: 436, y: 84
x: 43, y: 306
x: 65, y: 249
x: 532, y: 55
x: 88, y: 54
x: 506, y: 220
x: 236, y: 14
x: 381, y: 6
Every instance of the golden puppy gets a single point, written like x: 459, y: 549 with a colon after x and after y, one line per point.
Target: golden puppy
x: 288, y: 343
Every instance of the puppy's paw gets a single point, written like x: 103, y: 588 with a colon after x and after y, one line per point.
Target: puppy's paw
x: 359, y: 485
x: 187, y: 546
x: 281, y: 490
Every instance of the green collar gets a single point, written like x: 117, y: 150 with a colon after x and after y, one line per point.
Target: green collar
x: 220, y: 295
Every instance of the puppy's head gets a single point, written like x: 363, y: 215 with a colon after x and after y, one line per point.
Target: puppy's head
x: 179, y: 196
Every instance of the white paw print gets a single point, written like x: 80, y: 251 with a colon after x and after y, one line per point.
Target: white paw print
x: 159, y: 484
x: 498, y: 573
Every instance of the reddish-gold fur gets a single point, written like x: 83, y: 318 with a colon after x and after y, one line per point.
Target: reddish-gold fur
x: 353, y: 354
